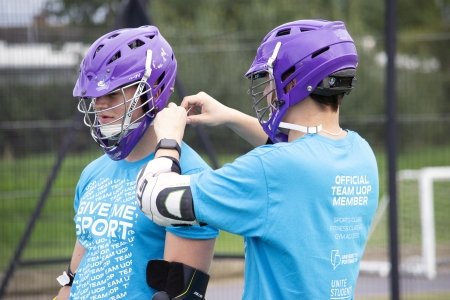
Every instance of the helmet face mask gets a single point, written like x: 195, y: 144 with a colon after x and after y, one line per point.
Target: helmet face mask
x: 109, y: 135
x: 301, y: 54
x: 265, y: 100
x: 266, y: 104
x: 262, y: 90
x: 121, y: 60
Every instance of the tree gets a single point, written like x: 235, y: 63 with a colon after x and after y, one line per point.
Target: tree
x: 91, y: 16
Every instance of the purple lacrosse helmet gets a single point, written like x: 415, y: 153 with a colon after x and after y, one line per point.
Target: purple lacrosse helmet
x: 123, y: 58
x: 320, y: 55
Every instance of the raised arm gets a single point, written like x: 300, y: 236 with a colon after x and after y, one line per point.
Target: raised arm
x: 213, y: 113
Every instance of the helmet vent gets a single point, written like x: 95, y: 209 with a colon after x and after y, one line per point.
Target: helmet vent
x: 283, y: 32
x: 150, y: 36
x: 115, y: 57
x: 113, y: 36
x: 98, y: 49
x: 89, y: 77
x: 135, y: 44
x: 317, y: 53
x: 305, y: 29
x: 288, y: 73
x: 160, y: 78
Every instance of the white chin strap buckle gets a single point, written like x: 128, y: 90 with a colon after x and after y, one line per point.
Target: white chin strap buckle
x: 309, y: 129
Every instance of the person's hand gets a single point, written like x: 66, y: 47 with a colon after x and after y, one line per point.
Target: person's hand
x: 170, y: 123
x: 212, y: 112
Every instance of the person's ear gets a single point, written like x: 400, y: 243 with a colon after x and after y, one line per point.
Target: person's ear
x: 157, y: 94
x: 290, y: 85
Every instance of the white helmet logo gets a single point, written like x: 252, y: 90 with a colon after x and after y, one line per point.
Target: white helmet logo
x: 101, y: 82
x: 135, y: 76
x: 163, y: 54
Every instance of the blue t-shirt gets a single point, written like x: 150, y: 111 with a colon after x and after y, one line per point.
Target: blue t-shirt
x: 119, y: 239
x: 304, y: 209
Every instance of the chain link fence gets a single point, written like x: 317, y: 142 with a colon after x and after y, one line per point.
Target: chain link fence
x: 38, y: 69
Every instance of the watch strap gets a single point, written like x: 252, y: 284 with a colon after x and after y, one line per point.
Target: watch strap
x: 168, y: 144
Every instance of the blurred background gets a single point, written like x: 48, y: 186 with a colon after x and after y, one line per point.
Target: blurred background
x: 44, y: 145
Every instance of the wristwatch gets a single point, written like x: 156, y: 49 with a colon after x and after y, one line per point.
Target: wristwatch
x: 168, y: 144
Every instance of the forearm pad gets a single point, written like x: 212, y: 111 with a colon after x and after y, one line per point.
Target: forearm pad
x: 177, y: 280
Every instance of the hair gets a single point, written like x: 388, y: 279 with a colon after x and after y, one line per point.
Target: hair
x: 333, y: 101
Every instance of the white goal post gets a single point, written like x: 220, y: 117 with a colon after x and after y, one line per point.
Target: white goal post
x: 427, y: 264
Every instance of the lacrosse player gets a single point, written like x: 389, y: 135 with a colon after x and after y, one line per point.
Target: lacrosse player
x: 305, y: 201
x: 125, y: 80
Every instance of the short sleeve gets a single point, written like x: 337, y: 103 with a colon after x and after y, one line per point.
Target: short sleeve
x: 233, y: 198
x: 191, y: 163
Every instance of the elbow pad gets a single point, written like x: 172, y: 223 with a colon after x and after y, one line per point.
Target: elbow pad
x: 165, y: 197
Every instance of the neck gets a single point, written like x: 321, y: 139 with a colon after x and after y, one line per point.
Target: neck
x: 145, y: 146
x: 309, y: 113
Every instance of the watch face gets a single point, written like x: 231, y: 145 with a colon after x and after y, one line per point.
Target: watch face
x: 169, y: 143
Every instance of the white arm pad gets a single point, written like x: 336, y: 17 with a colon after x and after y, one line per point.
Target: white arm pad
x: 155, y: 167
x: 165, y: 197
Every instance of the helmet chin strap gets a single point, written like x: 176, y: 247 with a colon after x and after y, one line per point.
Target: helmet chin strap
x: 309, y: 129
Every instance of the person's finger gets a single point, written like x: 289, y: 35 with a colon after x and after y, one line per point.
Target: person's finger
x: 192, y: 100
x: 197, y: 119
x: 186, y: 102
x: 171, y: 104
x: 194, y: 119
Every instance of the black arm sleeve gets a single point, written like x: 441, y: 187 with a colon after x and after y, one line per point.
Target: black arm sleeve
x: 177, y: 280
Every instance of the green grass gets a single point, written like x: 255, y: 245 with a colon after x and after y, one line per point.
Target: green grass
x: 228, y: 243
x: 22, y: 181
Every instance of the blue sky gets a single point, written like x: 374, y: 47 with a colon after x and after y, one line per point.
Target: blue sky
x: 15, y: 13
